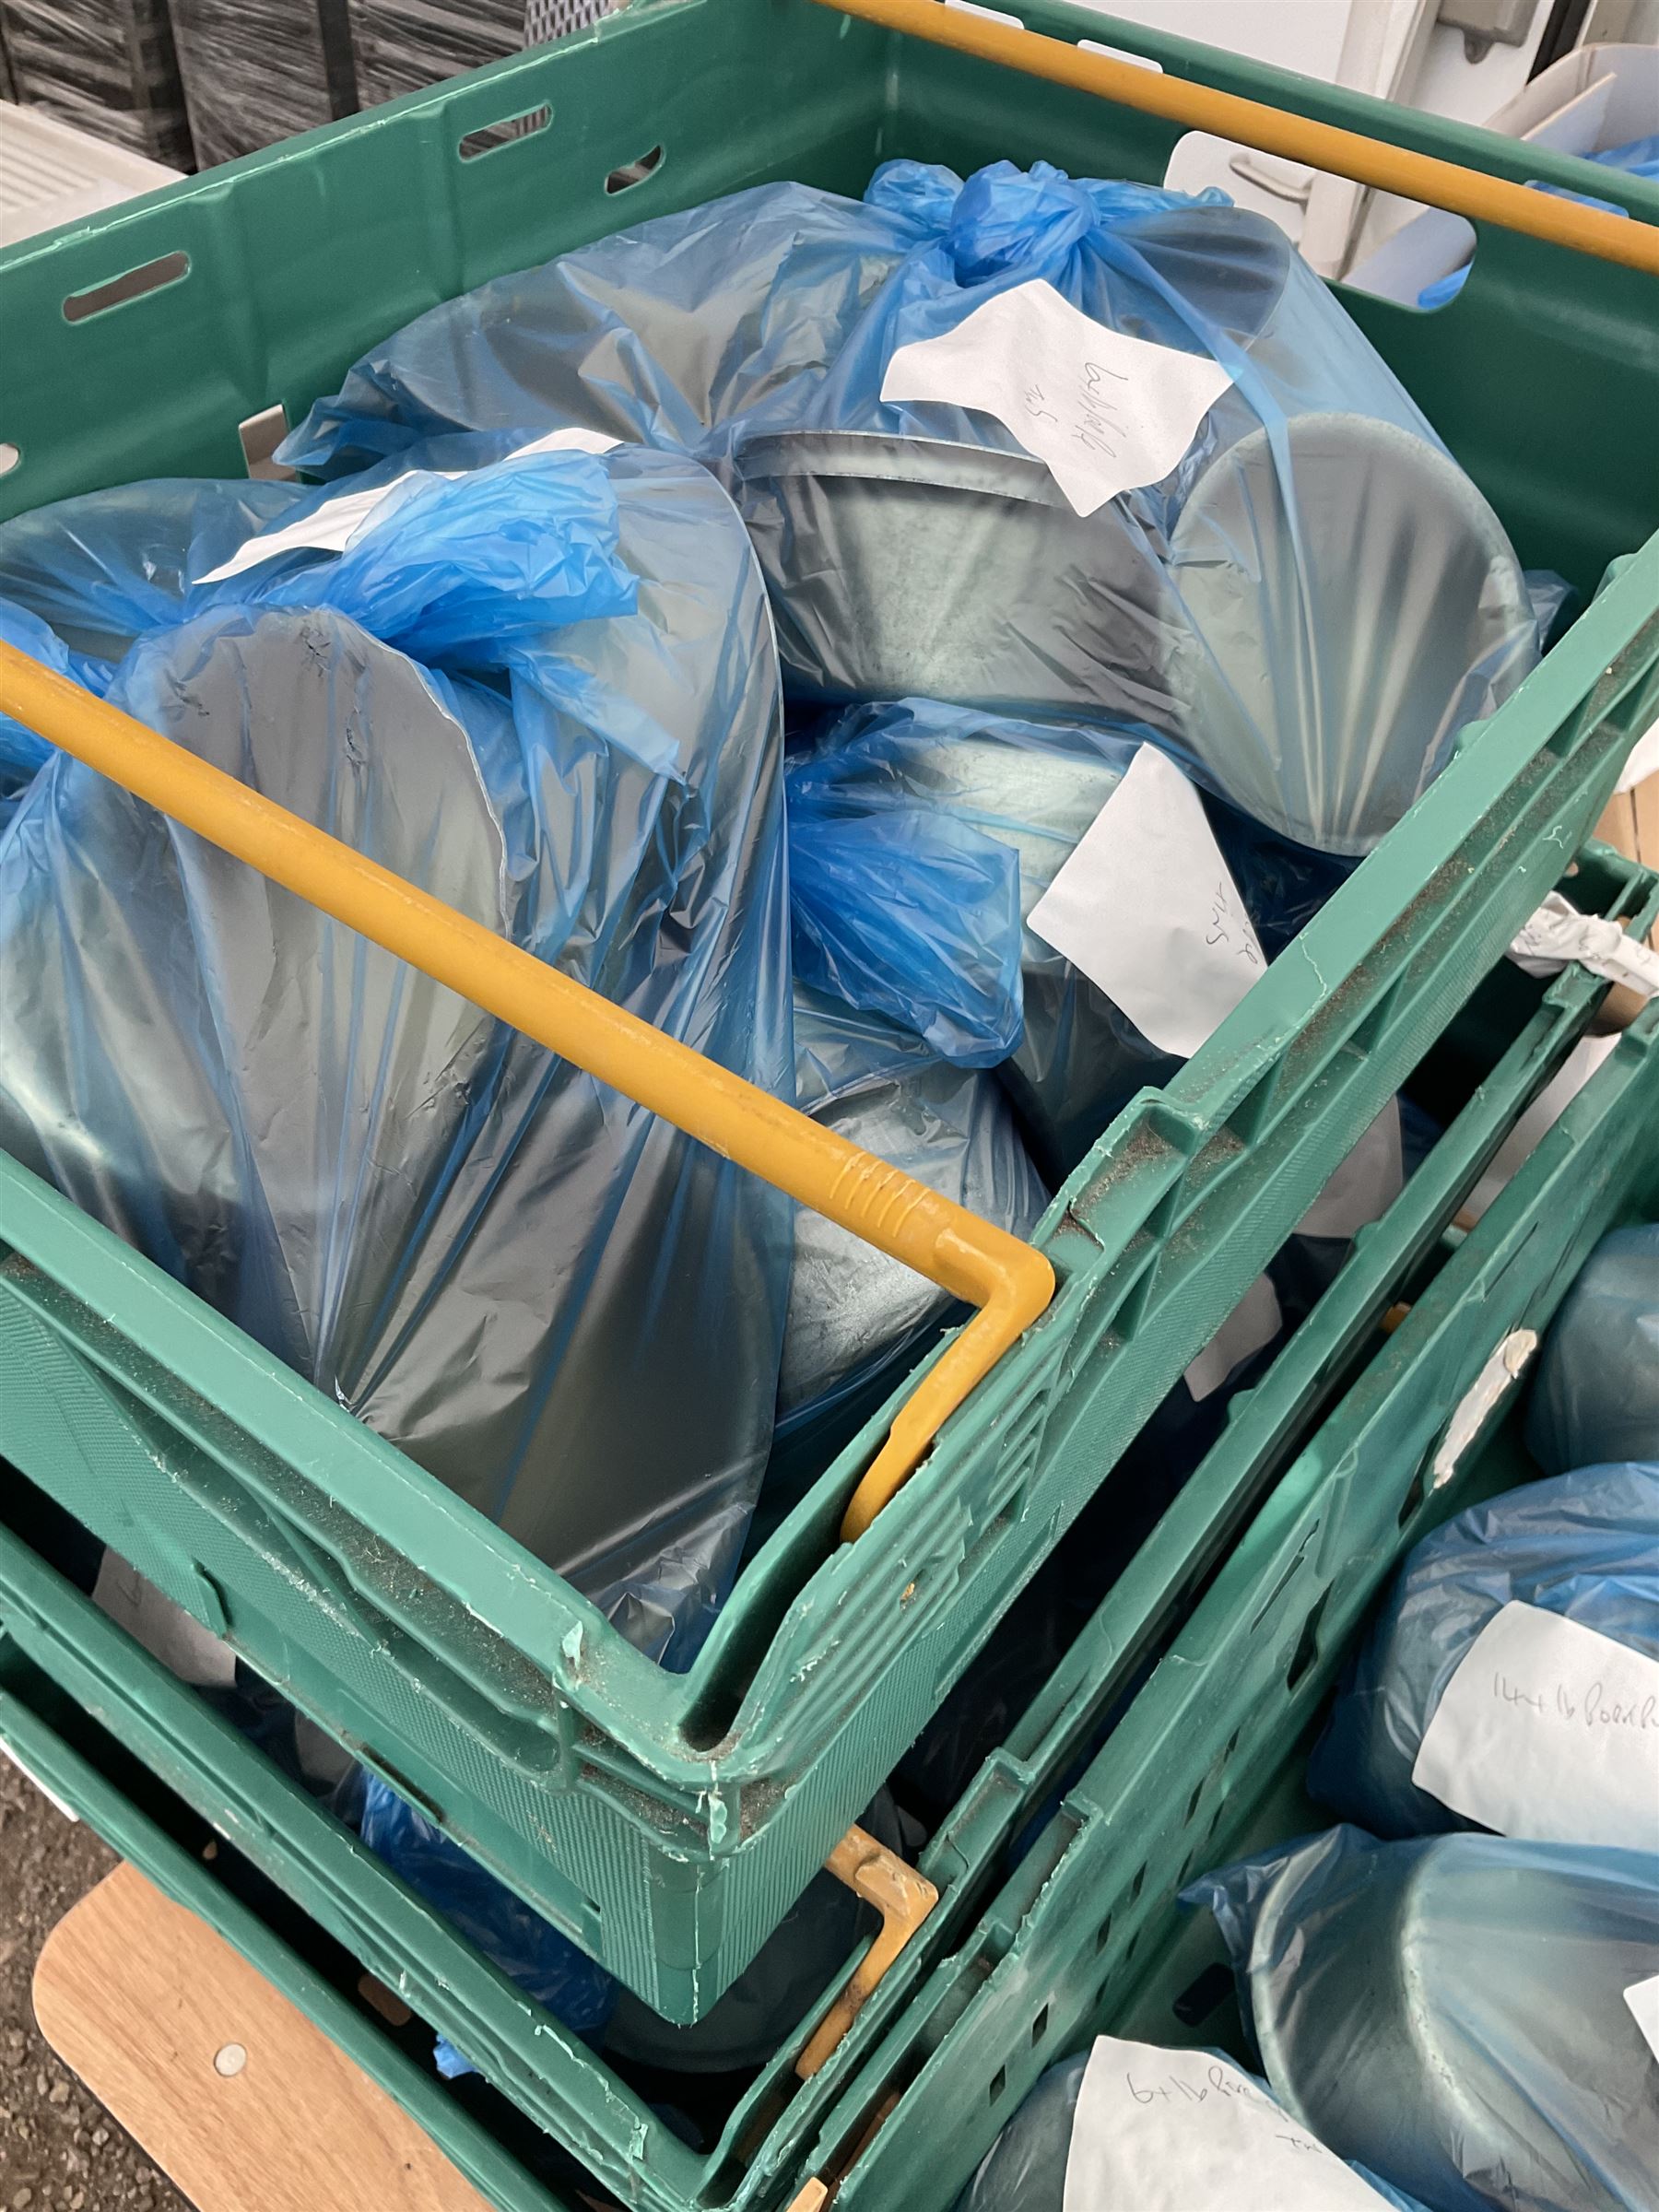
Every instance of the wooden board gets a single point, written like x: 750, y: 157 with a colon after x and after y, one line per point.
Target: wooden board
x: 1630, y: 825
x: 229, y: 2088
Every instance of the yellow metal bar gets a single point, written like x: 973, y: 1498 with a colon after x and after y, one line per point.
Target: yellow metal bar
x: 1011, y: 1282
x: 903, y: 1897
x: 1628, y: 241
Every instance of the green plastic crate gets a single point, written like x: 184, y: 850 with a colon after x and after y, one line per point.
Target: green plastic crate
x: 777, y: 2136
x: 666, y: 1823
x: 1086, y: 1936
x: 81, y: 1764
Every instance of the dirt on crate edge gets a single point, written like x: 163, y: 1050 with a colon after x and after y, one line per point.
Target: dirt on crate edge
x: 60, y: 2151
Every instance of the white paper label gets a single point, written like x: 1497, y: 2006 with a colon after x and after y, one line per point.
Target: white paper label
x: 1253, y: 1321
x: 1557, y: 933
x: 1364, y: 1186
x: 1642, y: 761
x: 1536, y: 1123
x: 1502, y: 1370
x: 1104, y: 411
x: 1147, y: 909
x: 333, y: 524
x: 166, y: 1631
x: 1178, y: 2131
x: 1642, y: 1997
x: 1548, y: 1731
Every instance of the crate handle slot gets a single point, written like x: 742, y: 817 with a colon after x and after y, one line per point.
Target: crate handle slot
x: 10, y: 456
x: 627, y: 174
x: 1630, y: 241
x: 1011, y: 1282
x: 490, y: 137
x: 131, y: 284
x: 903, y: 1897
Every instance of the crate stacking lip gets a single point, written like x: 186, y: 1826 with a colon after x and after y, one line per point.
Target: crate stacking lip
x: 1210, y: 1593
x: 667, y: 1823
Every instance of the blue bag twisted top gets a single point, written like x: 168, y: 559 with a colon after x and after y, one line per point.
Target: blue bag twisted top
x: 543, y: 686
x: 1309, y: 605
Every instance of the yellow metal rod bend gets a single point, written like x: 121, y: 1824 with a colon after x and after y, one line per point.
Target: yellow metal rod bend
x: 1468, y: 192
x: 1009, y: 1281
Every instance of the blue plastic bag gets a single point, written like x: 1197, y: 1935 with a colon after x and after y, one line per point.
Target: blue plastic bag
x: 653, y: 335
x: 1584, y: 1547
x: 1639, y: 158
x: 1024, y: 2170
x: 22, y: 752
x: 562, y: 1307
x: 853, y: 1311
x: 1595, y: 1395
x: 858, y: 1318
x: 917, y: 548
x: 922, y: 835
x: 545, y: 1965
x: 107, y: 569
x: 1452, y: 2012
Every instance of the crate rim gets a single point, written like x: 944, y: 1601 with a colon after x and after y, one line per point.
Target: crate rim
x: 455, y: 100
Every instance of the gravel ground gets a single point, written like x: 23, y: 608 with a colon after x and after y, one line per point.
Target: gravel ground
x: 60, y: 2151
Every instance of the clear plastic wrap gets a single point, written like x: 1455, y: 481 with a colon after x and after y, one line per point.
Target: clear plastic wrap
x: 564, y: 1308
x: 1451, y: 2012
x: 1309, y: 603
x: 545, y: 1965
x: 1584, y: 1547
x: 108, y: 66
x: 1025, y: 2169
x: 1595, y: 1395
x: 922, y: 835
x: 400, y: 45
x: 255, y: 71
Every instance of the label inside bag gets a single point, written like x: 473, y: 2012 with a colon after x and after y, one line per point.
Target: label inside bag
x: 1364, y: 1185
x: 1147, y: 907
x: 332, y: 526
x: 1181, y: 2130
x: 1106, y: 412
x: 1642, y: 1997
x: 166, y: 1631
x: 1255, y: 1321
x: 1642, y: 762
x: 1550, y: 1732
